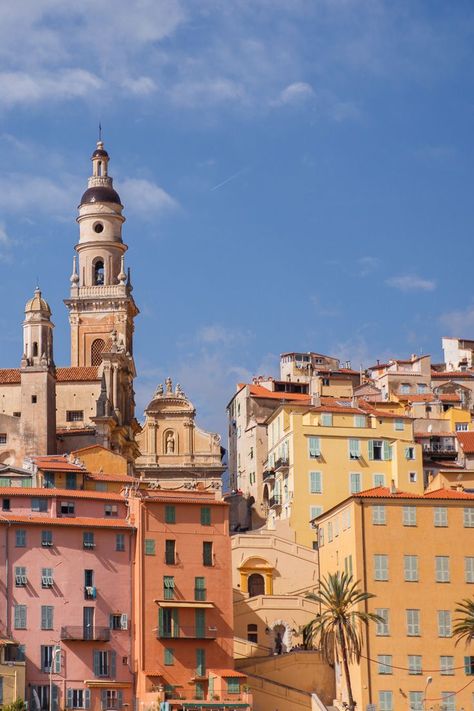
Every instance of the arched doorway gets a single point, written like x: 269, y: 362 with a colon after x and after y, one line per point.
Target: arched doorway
x: 256, y: 585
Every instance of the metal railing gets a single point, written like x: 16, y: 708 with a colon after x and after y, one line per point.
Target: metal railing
x: 85, y: 634
x: 187, y: 633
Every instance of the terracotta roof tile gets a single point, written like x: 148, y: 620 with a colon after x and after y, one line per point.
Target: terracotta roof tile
x: 77, y: 374
x: 383, y: 492
x: 260, y: 391
x: 75, y: 430
x: 9, y: 376
x: 446, y: 374
x: 466, y: 440
x: 111, y: 477
x: 226, y: 673
x: 56, y: 463
x: 63, y: 493
x: 83, y: 522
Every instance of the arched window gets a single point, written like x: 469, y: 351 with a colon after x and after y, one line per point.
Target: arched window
x: 35, y: 349
x: 256, y: 585
x: 99, y: 272
x: 99, y: 168
x: 96, y: 351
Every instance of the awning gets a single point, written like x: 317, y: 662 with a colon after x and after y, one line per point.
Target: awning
x: 176, y: 603
x: 4, y: 641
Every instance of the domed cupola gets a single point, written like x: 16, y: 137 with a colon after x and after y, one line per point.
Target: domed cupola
x: 100, y: 184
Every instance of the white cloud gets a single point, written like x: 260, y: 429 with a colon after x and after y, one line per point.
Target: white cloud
x: 368, y: 265
x: 28, y: 194
x: 23, y: 87
x: 143, y: 197
x: 4, y: 238
x: 5, y: 244
x: 295, y: 93
x: 458, y: 323
x: 141, y: 86
x: 218, y: 334
x: 411, y: 282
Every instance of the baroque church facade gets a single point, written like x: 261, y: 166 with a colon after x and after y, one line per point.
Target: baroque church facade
x: 46, y: 409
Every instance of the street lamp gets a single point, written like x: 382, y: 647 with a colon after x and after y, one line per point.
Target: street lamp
x: 429, y: 679
x: 55, y: 653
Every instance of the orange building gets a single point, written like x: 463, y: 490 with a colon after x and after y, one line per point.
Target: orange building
x: 183, y: 602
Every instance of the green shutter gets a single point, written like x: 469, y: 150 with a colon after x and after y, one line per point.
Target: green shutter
x: 55, y: 698
x: 205, y: 516
x: 175, y: 617
x: 103, y: 699
x: 200, y: 662
x: 120, y: 699
x: 160, y: 622
x: 387, y: 451
x: 87, y: 698
x: 149, y: 546
x: 371, y: 448
x: 170, y: 514
x: 200, y: 621
x: 169, y: 656
x: 96, y: 662
x: 113, y: 665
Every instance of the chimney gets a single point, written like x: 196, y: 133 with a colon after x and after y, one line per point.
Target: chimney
x: 393, y: 488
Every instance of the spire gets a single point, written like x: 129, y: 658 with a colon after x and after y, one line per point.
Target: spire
x: 74, y: 276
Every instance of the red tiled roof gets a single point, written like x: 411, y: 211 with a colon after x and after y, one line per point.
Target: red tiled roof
x: 63, y: 493
x: 177, y: 497
x: 56, y: 463
x: 449, y: 397
x: 446, y: 374
x: 83, y: 522
x: 383, y: 492
x: 63, y: 375
x: 466, y: 440
x: 260, y: 391
x: 369, y: 410
x: 427, y: 397
x: 75, y: 430
x: 111, y: 477
x: 227, y: 673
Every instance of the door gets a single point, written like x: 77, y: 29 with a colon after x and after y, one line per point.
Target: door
x: 88, y: 623
x: 256, y: 585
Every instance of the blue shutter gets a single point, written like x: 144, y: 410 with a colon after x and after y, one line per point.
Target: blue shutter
x: 103, y: 699
x: 69, y: 699
x: 113, y: 664
x: 387, y: 451
x: 371, y: 448
x: 87, y: 698
x: 120, y: 699
x: 96, y: 662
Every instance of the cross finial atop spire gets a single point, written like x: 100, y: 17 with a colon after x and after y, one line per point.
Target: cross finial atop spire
x: 100, y: 131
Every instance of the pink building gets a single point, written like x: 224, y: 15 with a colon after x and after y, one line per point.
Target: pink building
x: 65, y: 561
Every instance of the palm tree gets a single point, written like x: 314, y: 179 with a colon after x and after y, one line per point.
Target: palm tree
x: 464, y: 626
x: 338, y: 626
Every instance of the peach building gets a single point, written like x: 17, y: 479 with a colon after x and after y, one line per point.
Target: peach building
x: 65, y: 599
x: 406, y: 549
x: 183, y: 602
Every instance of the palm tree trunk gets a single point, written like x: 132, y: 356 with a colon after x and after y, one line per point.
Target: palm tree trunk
x: 345, y: 663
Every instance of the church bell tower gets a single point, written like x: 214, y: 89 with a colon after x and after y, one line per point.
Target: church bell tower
x: 101, y: 306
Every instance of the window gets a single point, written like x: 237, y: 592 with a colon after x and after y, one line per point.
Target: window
x: 446, y: 665
x: 205, y: 515
x: 74, y: 415
x: 46, y: 539
x: 98, y: 273
x: 200, y: 623
x: 315, y: 483
x: 399, y: 425
x: 88, y: 539
x: 47, y: 612
x: 47, y: 580
x: 78, y: 699
x: 385, y: 701
x: 461, y: 426
x: 410, y: 453
x: 168, y: 587
x: 440, y: 516
x: 40, y: 505
x: 469, y: 517
x: 354, y: 482
x: 379, y: 450
x: 314, y: 449
x: 20, y: 538
x: 409, y: 515
x: 404, y: 388
x: 200, y: 662
x: 233, y: 685
x: 3, y: 438
x: 442, y: 569
x: 104, y: 663
x: 34, y: 399
x: 199, y: 588
x: 415, y: 699
x: 5, y: 504
x: 252, y: 633
x: 469, y: 569
x: 414, y: 664
x: 111, y: 698
x: 385, y: 663
x: 150, y: 546
x: 469, y: 666
x: 118, y: 621
x: 170, y: 552
x: 379, y: 479
x: 379, y: 515
x: 101, y: 486
x: 413, y: 623
x: 348, y: 565
x: 444, y: 623
x: 20, y: 617
x: 110, y: 510
x: 412, y: 477
x: 359, y: 421
x: 170, y: 514
x: 120, y: 542
x: 48, y: 657
x: 448, y: 702
x: 207, y: 554
x: 330, y: 536
x: 326, y: 419
x: 97, y: 348
x: 382, y: 627
x: 354, y: 449
x: 66, y: 508
x: 168, y: 657
x: 314, y: 512
x: 380, y: 566
x: 410, y: 566
x: 71, y: 481
x: 20, y: 577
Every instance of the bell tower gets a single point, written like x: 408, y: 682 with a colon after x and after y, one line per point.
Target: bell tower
x: 101, y: 306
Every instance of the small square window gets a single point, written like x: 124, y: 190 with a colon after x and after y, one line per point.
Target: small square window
x: 34, y: 399
x: 67, y: 508
x: 3, y: 438
x: 5, y: 504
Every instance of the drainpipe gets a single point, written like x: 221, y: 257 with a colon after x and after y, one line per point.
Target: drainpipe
x: 366, y: 604
x: 7, y: 571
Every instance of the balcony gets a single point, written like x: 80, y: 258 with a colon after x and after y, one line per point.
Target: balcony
x: 85, y: 634
x: 274, y: 501
x: 441, y: 450
x: 282, y: 463
x: 268, y: 474
x: 90, y: 592
x: 187, y: 633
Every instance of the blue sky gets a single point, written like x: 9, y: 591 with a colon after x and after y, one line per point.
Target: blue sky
x: 296, y: 176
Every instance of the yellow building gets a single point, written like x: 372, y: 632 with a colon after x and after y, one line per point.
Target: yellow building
x: 320, y: 454
x: 12, y: 671
x: 415, y: 554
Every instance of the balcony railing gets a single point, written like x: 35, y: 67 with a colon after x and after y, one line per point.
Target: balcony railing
x: 187, y: 633
x: 85, y: 634
x: 440, y: 449
x: 216, y: 701
x: 274, y: 501
x: 268, y: 474
x: 282, y: 463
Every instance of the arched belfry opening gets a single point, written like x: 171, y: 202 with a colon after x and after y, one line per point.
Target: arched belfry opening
x: 97, y: 348
x: 99, y: 273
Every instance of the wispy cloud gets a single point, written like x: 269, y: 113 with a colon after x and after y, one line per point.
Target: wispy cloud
x: 229, y: 179
x: 217, y: 334
x: 5, y: 243
x: 145, y: 198
x: 368, y: 265
x: 26, y: 88
x: 458, y: 323
x: 295, y: 93
x: 411, y: 282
